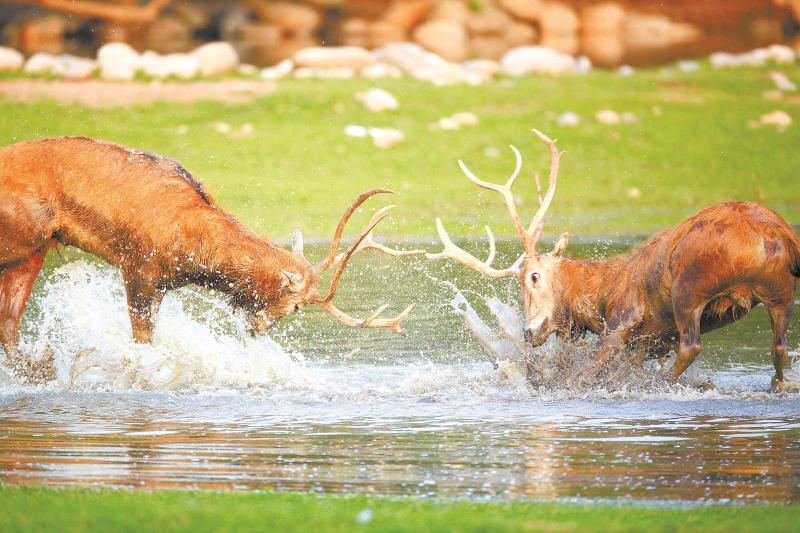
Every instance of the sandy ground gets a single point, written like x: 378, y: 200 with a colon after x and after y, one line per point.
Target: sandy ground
x: 96, y: 93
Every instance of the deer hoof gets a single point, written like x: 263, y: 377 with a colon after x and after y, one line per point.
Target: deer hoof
x: 783, y: 386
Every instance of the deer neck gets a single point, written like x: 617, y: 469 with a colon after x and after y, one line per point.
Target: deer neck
x: 584, y: 287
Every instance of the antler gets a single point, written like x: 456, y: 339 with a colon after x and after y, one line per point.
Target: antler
x: 330, y: 259
x: 529, y: 237
x: 326, y: 301
x: 368, y: 243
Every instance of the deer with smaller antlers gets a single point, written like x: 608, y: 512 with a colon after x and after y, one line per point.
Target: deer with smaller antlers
x: 703, y: 274
x: 149, y: 216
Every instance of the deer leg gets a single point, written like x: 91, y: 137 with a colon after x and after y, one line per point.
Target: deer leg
x: 16, y: 283
x: 144, y: 298
x: 780, y: 316
x: 689, y: 346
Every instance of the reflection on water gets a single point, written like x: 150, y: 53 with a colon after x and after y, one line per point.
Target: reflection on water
x: 324, y: 408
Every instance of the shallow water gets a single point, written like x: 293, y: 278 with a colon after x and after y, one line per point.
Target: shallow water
x: 320, y: 407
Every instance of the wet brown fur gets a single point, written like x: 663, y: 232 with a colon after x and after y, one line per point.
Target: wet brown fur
x: 703, y: 274
x: 141, y: 212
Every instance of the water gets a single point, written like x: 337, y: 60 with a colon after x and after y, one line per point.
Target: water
x: 325, y: 408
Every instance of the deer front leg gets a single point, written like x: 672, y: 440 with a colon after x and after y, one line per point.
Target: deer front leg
x: 144, y: 298
x: 781, y: 315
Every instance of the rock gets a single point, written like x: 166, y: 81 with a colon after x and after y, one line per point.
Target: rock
x: 377, y: 100
x: 381, y: 70
x: 10, y: 59
x: 557, y: 21
x: 356, y: 131
x: 183, y: 66
x: 484, y: 67
x: 566, y: 44
x: 488, y: 47
x: 466, y: 118
x: 350, y: 57
x: 634, y: 193
x: 216, y: 58
x: 77, y: 68
x: 386, y: 137
x: 603, y: 18
x: 325, y: 73
x: 782, y: 82
x: 43, y: 63
x: 407, y: 13
x: 446, y: 38
x: 447, y: 123
x: 583, y: 65
x: 409, y: 57
x: 529, y: 10
x: 519, y: 34
x: 780, y: 54
x: 688, y: 66
x: 453, y: 10
x: 281, y: 70
x: 645, y: 31
x: 291, y: 18
x: 246, y: 69
x: 607, y: 116
x: 779, y: 118
x: 488, y: 22
x: 568, y: 118
x: 118, y: 61
x: 45, y: 34
x: 629, y: 118
x: 535, y: 60
x: 604, y: 49
x: 222, y: 127
x: 382, y: 32
x: 625, y: 70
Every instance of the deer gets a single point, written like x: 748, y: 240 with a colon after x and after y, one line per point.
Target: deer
x: 149, y: 216
x: 705, y: 273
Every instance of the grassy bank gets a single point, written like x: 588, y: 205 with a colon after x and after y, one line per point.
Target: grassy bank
x: 37, y: 509
x: 690, y: 147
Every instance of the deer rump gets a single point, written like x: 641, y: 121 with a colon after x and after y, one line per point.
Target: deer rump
x: 149, y: 216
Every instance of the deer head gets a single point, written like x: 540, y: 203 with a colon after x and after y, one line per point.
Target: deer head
x: 538, y: 274
x: 299, y: 282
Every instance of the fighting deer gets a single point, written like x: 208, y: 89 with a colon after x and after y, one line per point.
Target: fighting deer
x: 149, y: 216
x: 705, y: 273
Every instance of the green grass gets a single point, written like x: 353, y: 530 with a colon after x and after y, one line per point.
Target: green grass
x: 37, y: 509
x: 691, y: 147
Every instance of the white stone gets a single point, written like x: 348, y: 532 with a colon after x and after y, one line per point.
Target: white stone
x: 607, y: 116
x: 43, y: 63
x: 781, y: 54
x: 448, y: 123
x: 583, y: 65
x: 779, y: 118
x: 222, y: 127
x: 487, y: 67
x: 247, y: 69
x: 216, y: 58
x: 688, y: 66
x: 356, y: 131
x: 281, y: 70
x: 334, y: 57
x: 77, y: 68
x: 782, y: 81
x: 324, y: 73
x: 118, y: 61
x: 629, y: 118
x: 536, y: 60
x: 625, y: 70
x: 568, y: 118
x: 184, y: 66
x: 381, y: 70
x: 10, y: 59
x: 409, y: 57
x: 377, y: 100
x: 466, y: 118
x: 386, y: 137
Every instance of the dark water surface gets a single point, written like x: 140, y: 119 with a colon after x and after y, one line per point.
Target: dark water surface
x: 325, y: 408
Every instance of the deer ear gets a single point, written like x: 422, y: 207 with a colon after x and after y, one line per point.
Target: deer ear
x: 561, y: 243
x: 291, y: 281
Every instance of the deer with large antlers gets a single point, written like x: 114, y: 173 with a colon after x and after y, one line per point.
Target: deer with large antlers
x: 152, y: 218
x: 705, y: 273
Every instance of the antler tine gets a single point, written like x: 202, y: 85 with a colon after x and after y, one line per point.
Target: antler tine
x: 337, y: 236
x: 538, y: 187
x: 337, y: 274
x: 297, y: 242
x: 452, y: 251
x: 504, y: 190
x: 371, y: 321
x: 369, y: 243
x: 537, y: 224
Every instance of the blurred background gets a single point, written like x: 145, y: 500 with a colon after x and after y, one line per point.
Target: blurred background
x: 635, y: 32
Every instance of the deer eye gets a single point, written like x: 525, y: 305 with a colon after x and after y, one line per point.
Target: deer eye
x: 535, y: 277
x: 296, y: 308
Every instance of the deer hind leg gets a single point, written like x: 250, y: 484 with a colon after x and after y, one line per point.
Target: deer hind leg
x: 16, y: 283
x: 780, y: 316
x: 144, y: 299
x: 689, y: 346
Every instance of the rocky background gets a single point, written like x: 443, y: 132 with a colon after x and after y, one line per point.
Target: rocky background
x: 265, y: 32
